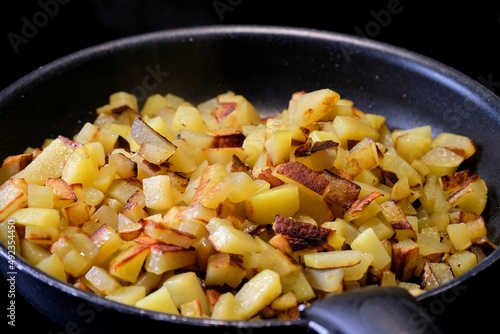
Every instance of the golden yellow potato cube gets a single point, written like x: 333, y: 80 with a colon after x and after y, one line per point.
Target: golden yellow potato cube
x: 350, y: 128
x: 13, y: 196
x: 184, y: 288
x: 41, y: 234
x: 461, y: 262
x: 312, y: 106
x: 442, y: 161
x: 257, y: 293
x: 297, y: 282
x: 154, y: 103
x: 108, y: 241
x: 278, y: 146
x: 36, y: 216
x: 128, y: 263
x: 33, y: 252
x: 262, y: 207
x: 327, y: 280
x: 285, y: 301
x: 368, y: 242
x: 40, y: 196
x: 77, y: 253
x: 189, y: 118
x: 164, y: 257
x: 78, y: 213
x: 412, y: 144
x: 459, y: 236
x: 101, y: 280
x: 159, y: 301
x: 332, y: 259
x: 233, y: 111
x: 359, y: 270
x: 225, y: 308
x: 53, y: 266
x: 79, y: 168
x: 49, y: 163
x: 158, y: 192
x: 456, y: 142
x: 128, y: 295
x: 228, y: 239
x: 214, y: 186
x: 221, y: 269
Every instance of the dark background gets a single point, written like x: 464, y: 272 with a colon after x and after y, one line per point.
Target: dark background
x: 462, y: 34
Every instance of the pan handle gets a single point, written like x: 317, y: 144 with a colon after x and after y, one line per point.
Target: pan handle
x: 370, y: 310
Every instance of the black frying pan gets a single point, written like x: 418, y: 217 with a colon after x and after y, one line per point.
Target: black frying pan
x: 265, y: 64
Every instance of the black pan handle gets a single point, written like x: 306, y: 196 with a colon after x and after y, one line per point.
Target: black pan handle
x: 370, y: 310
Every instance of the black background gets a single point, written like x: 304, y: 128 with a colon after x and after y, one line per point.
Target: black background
x: 462, y: 34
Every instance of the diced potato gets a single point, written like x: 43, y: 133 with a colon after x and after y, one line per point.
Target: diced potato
x: 158, y: 192
x: 149, y: 281
x: 108, y: 241
x: 327, y: 280
x: 53, y: 266
x: 368, y: 242
x: 455, y: 142
x: 78, y: 213
x: 101, y: 280
x: 159, y: 301
x: 228, y: 239
x: 306, y: 179
x: 188, y: 118
x: 13, y: 196
x: 184, y: 288
x: 471, y: 196
x: 312, y: 106
x: 154, y: 103
x: 163, y: 257
x: 156, y: 148
x: 334, y: 259
x: 459, y: 236
x: 405, y: 255
x: 226, y: 307
x: 36, y: 216
x: 257, y: 293
x: 79, y: 167
x: 40, y: 196
x: 436, y: 274
x: 50, y: 162
x: 128, y: 295
x: 297, y: 282
x: 33, y: 252
x: 167, y: 234
x: 442, y: 161
x: 413, y: 143
x: 285, y: 301
x: 221, y: 269
x: 348, y: 127
x: 41, y: 234
x: 128, y: 263
x: 461, y: 262
x: 277, y: 261
x: 77, y: 253
x: 262, y: 207
x: 359, y: 270
x: 214, y: 187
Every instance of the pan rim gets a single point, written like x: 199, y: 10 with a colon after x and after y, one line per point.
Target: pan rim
x: 432, y: 68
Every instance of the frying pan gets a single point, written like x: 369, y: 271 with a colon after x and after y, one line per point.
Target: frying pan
x: 265, y: 64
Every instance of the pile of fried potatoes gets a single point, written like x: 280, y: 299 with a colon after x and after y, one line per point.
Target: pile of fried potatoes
x: 213, y: 211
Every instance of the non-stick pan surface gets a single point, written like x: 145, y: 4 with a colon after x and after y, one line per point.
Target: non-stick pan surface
x: 265, y: 64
